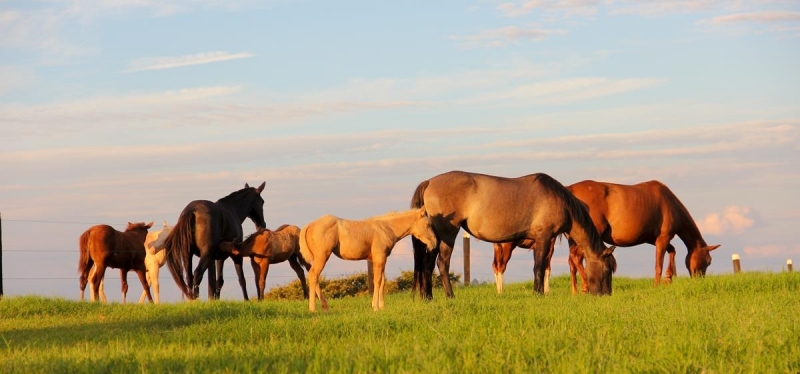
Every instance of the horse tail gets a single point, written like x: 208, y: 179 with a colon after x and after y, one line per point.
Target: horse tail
x: 305, y: 253
x: 85, y: 262
x: 416, y: 199
x: 177, y: 247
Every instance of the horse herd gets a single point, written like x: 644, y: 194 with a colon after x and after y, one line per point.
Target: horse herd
x: 529, y: 212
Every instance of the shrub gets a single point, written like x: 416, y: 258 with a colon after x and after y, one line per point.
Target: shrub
x: 352, y: 285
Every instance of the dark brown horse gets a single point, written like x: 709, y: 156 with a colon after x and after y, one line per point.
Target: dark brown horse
x: 266, y: 247
x: 103, y: 246
x: 201, y: 227
x: 648, y: 212
x: 497, y: 209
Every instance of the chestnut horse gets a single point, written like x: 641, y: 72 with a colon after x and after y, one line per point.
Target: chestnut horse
x: 497, y: 209
x: 103, y: 246
x: 648, y: 212
x: 371, y: 239
x: 201, y: 227
x: 502, y: 253
x: 265, y: 247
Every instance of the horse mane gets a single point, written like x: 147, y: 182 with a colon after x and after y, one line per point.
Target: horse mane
x: 235, y: 195
x: 256, y: 233
x: 576, y: 208
x: 392, y: 213
x: 687, y: 222
x: 283, y: 226
x: 137, y: 225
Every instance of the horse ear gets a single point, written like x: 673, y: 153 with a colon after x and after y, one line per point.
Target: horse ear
x: 261, y: 187
x: 608, y: 251
x: 149, y: 225
x: 712, y: 247
x: 246, y: 185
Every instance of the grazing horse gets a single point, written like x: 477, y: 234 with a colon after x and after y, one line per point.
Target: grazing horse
x: 371, y: 239
x: 648, y: 212
x: 265, y: 247
x: 103, y: 246
x: 201, y: 227
x: 629, y: 215
x: 497, y: 209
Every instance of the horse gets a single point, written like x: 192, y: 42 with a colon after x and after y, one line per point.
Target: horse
x: 103, y: 246
x: 155, y: 258
x: 265, y: 247
x: 371, y: 239
x: 497, y: 209
x: 648, y: 212
x: 629, y: 215
x: 200, y: 228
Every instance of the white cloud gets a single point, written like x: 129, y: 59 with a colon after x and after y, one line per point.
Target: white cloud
x: 505, y: 35
x: 584, y: 8
x: 734, y: 219
x: 774, y: 250
x: 758, y: 17
x: 158, y: 63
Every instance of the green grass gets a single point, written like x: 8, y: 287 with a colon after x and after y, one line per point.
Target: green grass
x: 742, y: 323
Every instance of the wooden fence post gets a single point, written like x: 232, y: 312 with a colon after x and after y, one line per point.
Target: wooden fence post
x: 466, y: 259
x: 789, y: 264
x: 737, y: 266
x: 370, y: 277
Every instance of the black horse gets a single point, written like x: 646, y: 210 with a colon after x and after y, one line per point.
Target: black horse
x: 201, y: 227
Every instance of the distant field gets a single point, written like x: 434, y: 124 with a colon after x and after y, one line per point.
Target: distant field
x: 748, y: 322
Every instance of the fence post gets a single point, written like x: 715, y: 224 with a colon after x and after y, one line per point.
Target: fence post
x: 370, y: 277
x: 466, y: 259
x: 737, y: 266
x: 1, y: 257
x: 789, y: 264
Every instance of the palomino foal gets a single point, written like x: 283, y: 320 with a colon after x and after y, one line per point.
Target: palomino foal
x: 371, y: 239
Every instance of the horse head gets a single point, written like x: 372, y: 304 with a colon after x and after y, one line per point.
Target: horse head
x: 256, y: 213
x: 698, y: 260
x: 422, y: 229
x: 599, y: 271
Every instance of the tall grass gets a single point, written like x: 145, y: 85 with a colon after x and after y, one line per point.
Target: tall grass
x: 742, y: 323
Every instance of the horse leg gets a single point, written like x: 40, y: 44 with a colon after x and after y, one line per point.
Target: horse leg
x: 237, y: 264
x: 379, y: 270
x: 144, y: 294
x: 202, y: 265
x: 220, y: 278
x: 549, y: 264
x: 320, y: 259
x: 143, y: 278
x: 661, y: 249
x: 541, y: 256
x: 445, y: 251
x: 99, y: 273
x: 424, y: 262
x: 123, y: 276
x: 213, y: 291
x: 262, y: 278
x: 86, y: 276
x: 502, y: 253
x: 298, y: 269
x: 256, y: 274
x: 671, y: 268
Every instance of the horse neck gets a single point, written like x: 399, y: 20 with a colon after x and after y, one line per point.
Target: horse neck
x: 400, y: 223
x: 688, y: 232
x: 584, y: 234
x: 236, y: 207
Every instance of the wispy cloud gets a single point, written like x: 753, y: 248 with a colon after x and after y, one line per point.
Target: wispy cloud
x: 773, y: 250
x: 159, y: 63
x: 757, y: 17
x: 505, y: 35
x: 732, y: 220
x: 565, y: 7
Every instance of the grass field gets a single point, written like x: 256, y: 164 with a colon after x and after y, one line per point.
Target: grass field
x: 743, y: 323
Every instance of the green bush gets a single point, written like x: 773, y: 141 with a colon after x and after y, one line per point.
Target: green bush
x: 353, y: 285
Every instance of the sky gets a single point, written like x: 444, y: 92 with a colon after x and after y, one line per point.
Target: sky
x: 123, y: 111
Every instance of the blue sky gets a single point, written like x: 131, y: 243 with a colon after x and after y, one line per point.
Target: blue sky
x: 126, y: 110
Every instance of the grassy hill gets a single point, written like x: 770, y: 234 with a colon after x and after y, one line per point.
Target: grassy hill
x: 731, y: 323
